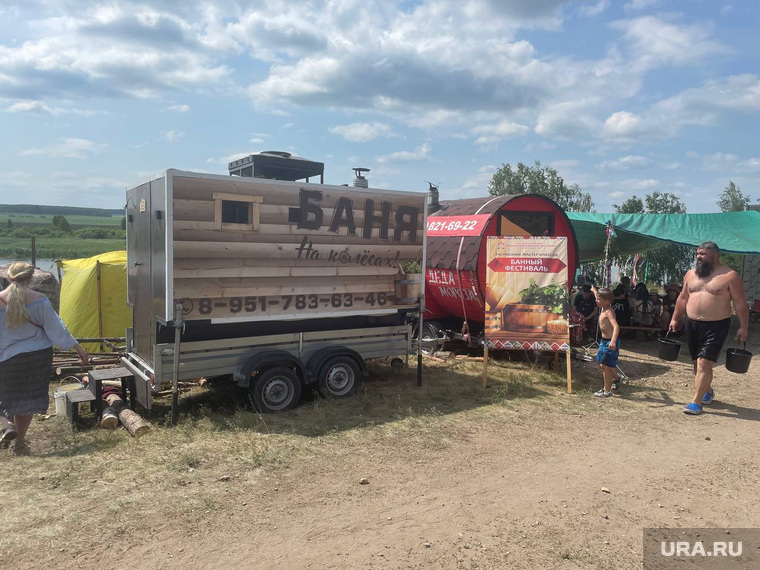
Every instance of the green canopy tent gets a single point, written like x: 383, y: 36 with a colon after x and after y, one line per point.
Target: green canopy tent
x: 734, y: 232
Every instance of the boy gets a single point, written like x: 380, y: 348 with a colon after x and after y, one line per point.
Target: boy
x: 609, y: 347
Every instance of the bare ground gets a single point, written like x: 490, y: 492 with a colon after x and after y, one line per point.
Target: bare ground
x: 517, y: 483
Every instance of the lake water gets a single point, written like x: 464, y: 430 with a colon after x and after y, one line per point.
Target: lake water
x: 44, y: 264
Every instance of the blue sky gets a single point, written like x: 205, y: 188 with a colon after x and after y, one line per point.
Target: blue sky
x: 621, y: 97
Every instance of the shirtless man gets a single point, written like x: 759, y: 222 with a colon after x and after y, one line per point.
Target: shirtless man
x: 706, y: 297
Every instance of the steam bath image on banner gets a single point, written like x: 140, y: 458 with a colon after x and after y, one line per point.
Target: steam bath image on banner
x: 526, y: 293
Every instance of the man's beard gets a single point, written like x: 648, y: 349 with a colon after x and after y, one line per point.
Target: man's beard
x: 704, y: 268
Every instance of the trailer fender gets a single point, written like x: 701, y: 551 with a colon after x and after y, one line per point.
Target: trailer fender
x: 315, y: 363
x: 268, y: 359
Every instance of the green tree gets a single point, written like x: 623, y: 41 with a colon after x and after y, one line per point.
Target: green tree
x: 732, y: 199
x: 9, y: 224
x: 123, y: 224
x: 60, y: 223
x: 632, y: 205
x: 665, y: 264
x: 539, y: 179
x: 666, y: 203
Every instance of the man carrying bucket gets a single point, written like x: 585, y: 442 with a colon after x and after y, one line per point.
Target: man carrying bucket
x: 706, y: 297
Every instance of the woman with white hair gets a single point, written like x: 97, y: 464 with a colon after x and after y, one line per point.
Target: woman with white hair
x: 29, y: 327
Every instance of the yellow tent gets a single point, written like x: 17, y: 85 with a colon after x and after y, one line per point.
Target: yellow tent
x: 94, y: 297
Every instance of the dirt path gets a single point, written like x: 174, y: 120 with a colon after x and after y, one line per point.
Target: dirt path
x: 522, y: 489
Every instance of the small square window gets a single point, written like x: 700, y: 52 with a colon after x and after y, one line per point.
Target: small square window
x: 236, y: 212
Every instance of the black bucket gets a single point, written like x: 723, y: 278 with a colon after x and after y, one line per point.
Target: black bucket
x: 668, y: 348
x: 737, y: 360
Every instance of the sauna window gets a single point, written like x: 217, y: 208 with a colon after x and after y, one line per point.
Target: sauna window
x: 234, y: 212
x: 533, y: 223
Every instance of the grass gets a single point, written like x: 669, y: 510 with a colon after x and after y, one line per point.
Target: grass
x: 84, y: 479
x: 58, y: 248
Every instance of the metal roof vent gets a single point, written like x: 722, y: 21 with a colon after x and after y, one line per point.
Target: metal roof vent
x: 360, y: 181
x: 433, y: 199
x: 277, y: 165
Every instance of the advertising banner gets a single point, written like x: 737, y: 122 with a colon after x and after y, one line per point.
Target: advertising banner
x: 526, y: 294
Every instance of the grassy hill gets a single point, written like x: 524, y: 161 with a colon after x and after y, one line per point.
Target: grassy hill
x: 91, y: 231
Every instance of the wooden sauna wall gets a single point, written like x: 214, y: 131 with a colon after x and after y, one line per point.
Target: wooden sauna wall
x: 258, y: 275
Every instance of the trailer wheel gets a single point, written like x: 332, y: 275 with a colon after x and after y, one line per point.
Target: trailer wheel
x: 275, y: 390
x: 429, y: 337
x: 339, y: 377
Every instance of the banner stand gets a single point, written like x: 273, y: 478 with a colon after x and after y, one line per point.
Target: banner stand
x: 485, y: 366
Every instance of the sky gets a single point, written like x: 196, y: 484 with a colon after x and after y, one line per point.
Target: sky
x: 621, y: 97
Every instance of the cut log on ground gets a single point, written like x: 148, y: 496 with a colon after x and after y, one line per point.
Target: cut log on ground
x: 131, y: 420
x: 109, y: 419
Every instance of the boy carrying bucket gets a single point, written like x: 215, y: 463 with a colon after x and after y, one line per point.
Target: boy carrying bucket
x: 609, y: 346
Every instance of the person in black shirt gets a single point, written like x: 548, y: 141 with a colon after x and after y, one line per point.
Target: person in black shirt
x: 585, y: 303
x: 620, y: 306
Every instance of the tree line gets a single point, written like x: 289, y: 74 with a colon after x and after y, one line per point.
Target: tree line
x: 63, y: 210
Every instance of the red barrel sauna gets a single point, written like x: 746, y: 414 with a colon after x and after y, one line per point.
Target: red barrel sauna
x: 457, y: 234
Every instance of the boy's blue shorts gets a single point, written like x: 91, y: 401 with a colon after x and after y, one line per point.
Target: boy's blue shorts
x: 606, y: 356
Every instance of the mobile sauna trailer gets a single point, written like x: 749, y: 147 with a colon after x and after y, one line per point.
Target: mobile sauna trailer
x: 280, y: 284
x: 455, y: 278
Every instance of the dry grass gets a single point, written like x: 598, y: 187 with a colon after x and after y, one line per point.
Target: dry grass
x: 79, y: 481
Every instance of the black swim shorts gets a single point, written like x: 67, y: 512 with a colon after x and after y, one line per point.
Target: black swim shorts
x: 706, y: 338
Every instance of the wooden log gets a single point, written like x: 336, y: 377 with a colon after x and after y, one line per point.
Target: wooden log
x: 263, y: 272
x: 279, y: 250
x: 109, y: 419
x: 132, y: 421
x: 446, y: 355
x: 294, y: 238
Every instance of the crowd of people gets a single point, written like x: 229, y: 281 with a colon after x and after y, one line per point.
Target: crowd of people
x: 636, y: 306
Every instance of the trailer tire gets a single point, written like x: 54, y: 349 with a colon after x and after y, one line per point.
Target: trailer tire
x: 339, y: 377
x: 429, y: 337
x: 275, y: 390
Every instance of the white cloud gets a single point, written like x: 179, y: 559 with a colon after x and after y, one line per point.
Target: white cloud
x: 256, y: 140
x: 636, y: 184
x: 178, y: 108
x: 749, y: 165
x: 32, y: 107
x: 630, y: 162
x: 488, y: 134
x: 172, y: 135
x: 67, y: 148
x: 109, y: 51
x: 590, y: 10
x: 639, y: 4
x: 654, y: 42
x: 225, y: 160
x: 420, y: 153
x: 362, y: 132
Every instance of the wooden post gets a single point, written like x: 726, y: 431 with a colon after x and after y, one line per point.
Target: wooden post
x: 556, y: 362
x: 485, y: 366
x: 100, y: 301
x: 569, y: 373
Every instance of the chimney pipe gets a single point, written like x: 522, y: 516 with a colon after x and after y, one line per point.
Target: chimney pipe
x: 361, y: 181
x: 433, y: 204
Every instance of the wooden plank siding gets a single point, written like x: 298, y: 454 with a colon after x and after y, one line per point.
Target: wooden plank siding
x: 282, y: 269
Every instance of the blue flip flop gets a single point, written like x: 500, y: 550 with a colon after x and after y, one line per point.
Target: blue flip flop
x: 693, y: 409
x: 708, y: 398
